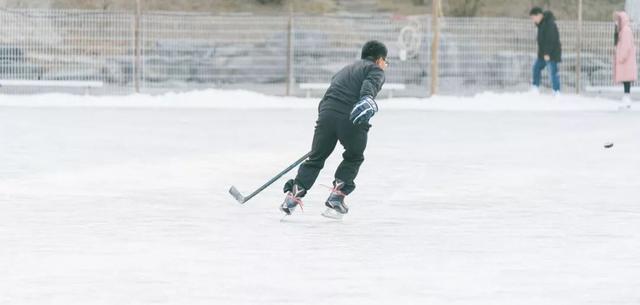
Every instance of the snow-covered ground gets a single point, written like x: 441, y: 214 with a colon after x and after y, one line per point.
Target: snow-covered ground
x: 496, y: 199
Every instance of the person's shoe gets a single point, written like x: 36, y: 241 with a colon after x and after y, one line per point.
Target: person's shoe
x: 626, y: 102
x: 535, y: 90
x: 336, y: 198
x: 556, y: 94
x: 293, y: 199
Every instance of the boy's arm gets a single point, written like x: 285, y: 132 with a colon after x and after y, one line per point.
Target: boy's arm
x: 367, y: 107
x: 372, y: 82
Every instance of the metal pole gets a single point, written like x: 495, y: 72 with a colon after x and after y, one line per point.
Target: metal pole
x: 579, y: 50
x: 137, y: 46
x: 435, y: 44
x: 290, y: 79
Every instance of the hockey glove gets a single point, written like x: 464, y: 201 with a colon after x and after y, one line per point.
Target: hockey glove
x: 363, y: 110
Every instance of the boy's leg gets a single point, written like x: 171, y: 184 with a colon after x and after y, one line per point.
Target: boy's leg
x: 538, y: 66
x: 555, y: 76
x: 324, y: 142
x: 354, y: 140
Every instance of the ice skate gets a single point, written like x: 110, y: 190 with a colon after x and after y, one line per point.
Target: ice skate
x: 293, y: 199
x: 336, y: 208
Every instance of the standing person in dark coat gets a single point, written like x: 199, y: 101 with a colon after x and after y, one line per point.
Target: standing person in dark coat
x: 549, y: 48
x: 343, y: 116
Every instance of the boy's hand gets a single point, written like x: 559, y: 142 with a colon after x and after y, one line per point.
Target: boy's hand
x: 547, y: 58
x: 363, y: 110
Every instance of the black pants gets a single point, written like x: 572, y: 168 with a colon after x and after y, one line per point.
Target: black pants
x: 332, y: 127
x: 627, y: 87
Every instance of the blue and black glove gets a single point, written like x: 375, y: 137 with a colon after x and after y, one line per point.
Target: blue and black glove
x: 363, y: 110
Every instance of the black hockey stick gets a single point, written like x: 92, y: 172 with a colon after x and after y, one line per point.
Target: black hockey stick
x: 242, y: 199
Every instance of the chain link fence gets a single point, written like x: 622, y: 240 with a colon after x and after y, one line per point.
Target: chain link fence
x: 95, y: 52
x: 47, y: 49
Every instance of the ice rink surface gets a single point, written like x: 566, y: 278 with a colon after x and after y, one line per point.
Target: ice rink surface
x: 495, y: 199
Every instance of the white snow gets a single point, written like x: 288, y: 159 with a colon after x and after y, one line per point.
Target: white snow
x: 493, y: 199
x: 239, y: 99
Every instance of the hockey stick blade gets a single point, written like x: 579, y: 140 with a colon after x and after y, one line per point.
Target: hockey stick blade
x: 236, y: 194
x: 242, y: 199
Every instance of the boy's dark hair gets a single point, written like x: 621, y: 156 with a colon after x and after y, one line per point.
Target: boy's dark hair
x: 536, y: 10
x: 373, y: 49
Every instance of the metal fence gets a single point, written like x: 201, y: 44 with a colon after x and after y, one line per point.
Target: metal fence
x: 66, y: 46
x: 275, y: 54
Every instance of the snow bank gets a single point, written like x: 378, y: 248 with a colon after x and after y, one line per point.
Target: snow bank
x: 241, y: 99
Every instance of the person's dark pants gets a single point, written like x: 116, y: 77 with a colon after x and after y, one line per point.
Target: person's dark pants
x: 627, y: 87
x: 539, y: 65
x: 332, y: 127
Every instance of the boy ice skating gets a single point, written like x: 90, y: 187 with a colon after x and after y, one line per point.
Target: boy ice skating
x: 343, y: 115
x: 549, y: 48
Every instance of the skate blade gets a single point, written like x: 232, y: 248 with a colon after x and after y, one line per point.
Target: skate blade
x: 333, y: 214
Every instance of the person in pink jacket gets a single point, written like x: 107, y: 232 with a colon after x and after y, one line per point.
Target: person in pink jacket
x: 625, y: 69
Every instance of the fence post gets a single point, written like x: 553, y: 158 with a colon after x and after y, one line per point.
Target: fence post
x: 137, y: 45
x: 579, y: 50
x: 290, y: 79
x: 435, y: 44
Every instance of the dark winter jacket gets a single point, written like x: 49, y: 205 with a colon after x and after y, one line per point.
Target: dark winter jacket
x: 354, y: 81
x: 549, y: 38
